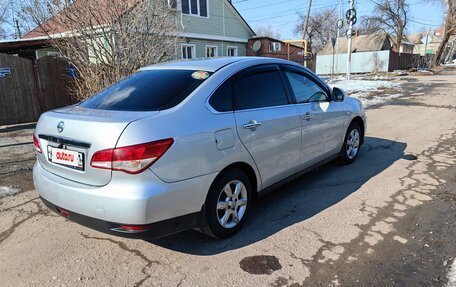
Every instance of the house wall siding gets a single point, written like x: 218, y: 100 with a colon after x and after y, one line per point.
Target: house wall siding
x: 200, y: 47
x: 215, y: 24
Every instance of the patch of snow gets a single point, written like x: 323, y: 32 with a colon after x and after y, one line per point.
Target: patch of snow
x: 452, y: 275
x: 400, y: 239
x: 378, y: 100
x: 362, y: 90
x: 8, y: 190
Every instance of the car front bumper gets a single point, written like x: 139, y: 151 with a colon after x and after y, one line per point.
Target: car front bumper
x: 141, y: 199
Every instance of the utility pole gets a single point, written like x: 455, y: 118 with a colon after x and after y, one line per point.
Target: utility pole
x: 304, y: 31
x: 351, y: 18
x: 340, y: 24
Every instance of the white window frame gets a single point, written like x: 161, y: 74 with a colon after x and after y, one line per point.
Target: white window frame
x: 235, y: 51
x: 193, y: 51
x: 197, y: 8
x: 271, y: 47
x: 211, y: 46
x: 177, y: 4
x: 54, y: 53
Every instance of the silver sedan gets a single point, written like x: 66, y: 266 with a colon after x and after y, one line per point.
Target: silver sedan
x: 190, y: 144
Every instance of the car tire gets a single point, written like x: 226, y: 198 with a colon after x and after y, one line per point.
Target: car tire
x: 352, y: 144
x: 223, y: 214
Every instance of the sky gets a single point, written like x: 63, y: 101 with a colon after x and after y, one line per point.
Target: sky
x: 282, y: 15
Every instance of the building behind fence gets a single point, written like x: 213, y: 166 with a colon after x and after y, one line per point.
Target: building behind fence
x: 29, y: 88
x: 370, y: 53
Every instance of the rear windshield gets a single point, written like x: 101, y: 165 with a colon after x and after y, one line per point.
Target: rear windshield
x: 150, y: 90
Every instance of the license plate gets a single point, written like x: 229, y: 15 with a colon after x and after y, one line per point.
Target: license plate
x: 69, y: 158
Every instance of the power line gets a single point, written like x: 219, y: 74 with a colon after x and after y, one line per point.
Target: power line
x: 426, y: 24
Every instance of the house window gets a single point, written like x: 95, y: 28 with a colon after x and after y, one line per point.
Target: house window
x: 194, y: 7
x: 172, y: 4
x: 275, y: 47
x: 211, y: 51
x: 232, y: 51
x: 54, y: 53
x: 188, y: 51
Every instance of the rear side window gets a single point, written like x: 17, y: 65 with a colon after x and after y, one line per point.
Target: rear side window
x: 264, y: 89
x: 222, y: 99
x: 150, y: 90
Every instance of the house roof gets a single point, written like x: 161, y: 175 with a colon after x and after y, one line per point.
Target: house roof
x: 275, y: 40
x: 9, y: 45
x: 362, y: 43
x: 55, y: 24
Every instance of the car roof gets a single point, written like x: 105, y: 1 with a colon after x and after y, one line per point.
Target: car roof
x: 210, y: 65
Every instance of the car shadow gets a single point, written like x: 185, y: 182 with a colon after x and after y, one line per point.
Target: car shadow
x: 297, y: 200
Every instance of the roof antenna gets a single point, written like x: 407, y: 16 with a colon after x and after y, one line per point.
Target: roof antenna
x: 18, y: 33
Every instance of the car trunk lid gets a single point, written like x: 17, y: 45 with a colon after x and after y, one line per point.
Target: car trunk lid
x: 76, y: 133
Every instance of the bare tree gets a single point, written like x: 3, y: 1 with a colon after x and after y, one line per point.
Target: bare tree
x: 322, y: 26
x: 377, y: 63
x: 419, y: 35
x: 267, y: 31
x: 3, y: 19
x: 392, y: 18
x: 13, y: 22
x: 369, y: 26
x: 107, y: 40
x: 450, y: 29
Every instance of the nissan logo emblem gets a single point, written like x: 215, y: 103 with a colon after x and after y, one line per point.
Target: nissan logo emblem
x: 60, y: 127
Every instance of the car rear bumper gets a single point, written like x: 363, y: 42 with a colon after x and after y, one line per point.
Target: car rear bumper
x: 141, y: 199
x: 153, y: 230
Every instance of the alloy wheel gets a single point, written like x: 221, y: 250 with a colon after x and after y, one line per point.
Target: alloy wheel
x: 352, y: 145
x: 232, y: 204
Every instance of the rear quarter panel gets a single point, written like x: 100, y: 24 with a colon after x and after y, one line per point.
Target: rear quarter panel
x: 194, y: 128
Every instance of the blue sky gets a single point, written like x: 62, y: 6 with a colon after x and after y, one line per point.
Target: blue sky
x: 282, y: 15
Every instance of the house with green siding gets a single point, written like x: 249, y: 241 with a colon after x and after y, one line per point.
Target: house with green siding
x: 209, y: 28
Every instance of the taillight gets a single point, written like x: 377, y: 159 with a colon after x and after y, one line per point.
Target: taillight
x: 36, y: 142
x: 131, y: 159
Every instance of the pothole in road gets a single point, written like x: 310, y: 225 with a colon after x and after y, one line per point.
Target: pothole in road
x: 260, y: 264
x: 409, y: 157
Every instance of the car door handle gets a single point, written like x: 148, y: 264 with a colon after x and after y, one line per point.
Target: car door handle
x: 308, y: 116
x: 252, y: 125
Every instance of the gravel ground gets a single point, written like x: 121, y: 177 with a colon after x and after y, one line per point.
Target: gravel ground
x: 386, y: 220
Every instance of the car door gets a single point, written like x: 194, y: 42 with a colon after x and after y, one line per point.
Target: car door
x: 268, y: 124
x: 322, y: 120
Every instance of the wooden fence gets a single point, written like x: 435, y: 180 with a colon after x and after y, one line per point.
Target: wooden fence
x: 403, y: 61
x: 28, y: 89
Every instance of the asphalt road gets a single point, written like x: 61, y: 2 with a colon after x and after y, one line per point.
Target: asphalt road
x: 386, y: 220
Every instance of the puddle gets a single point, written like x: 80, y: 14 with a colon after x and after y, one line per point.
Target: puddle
x: 261, y: 264
x: 409, y: 157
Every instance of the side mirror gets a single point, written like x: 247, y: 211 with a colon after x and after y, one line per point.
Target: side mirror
x: 338, y: 95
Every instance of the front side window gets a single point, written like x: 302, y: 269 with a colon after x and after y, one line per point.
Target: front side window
x: 150, y: 90
x: 304, y: 89
x: 232, y: 51
x: 264, y: 89
x: 188, y: 51
x: 211, y: 51
x: 194, y: 7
